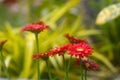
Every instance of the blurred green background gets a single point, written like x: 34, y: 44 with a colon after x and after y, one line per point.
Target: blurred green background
x: 95, y: 20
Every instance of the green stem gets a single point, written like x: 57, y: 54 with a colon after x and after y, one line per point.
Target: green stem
x: 38, y: 65
x: 4, y: 66
x: 85, y: 74
x: 68, y: 67
x: 65, y: 67
x: 48, y: 67
x: 81, y: 70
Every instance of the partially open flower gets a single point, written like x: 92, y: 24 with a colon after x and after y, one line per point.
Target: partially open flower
x: 2, y: 43
x: 43, y: 56
x: 74, y: 39
x: 88, y: 64
x: 80, y: 50
x: 58, y: 50
x: 35, y: 27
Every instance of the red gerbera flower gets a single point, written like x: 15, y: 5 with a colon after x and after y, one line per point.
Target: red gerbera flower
x: 58, y: 50
x: 74, y: 39
x: 88, y: 64
x: 80, y: 50
x: 35, y: 27
x: 40, y: 55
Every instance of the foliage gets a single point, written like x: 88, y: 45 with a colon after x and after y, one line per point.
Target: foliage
x: 111, y: 32
x: 20, y: 47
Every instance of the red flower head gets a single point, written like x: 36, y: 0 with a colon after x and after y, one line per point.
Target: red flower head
x: 80, y: 50
x: 2, y: 43
x: 40, y: 55
x: 58, y: 50
x: 35, y: 27
x: 90, y: 65
x: 74, y: 39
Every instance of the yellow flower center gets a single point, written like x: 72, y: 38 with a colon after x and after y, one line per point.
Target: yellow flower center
x: 87, y: 65
x: 80, y: 49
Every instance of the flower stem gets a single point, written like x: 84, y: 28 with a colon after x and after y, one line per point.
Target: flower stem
x: 65, y: 67
x: 68, y: 67
x: 48, y: 67
x: 85, y: 74
x: 81, y: 70
x: 38, y: 65
x: 4, y: 66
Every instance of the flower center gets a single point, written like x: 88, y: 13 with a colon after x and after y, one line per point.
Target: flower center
x: 87, y: 65
x: 80, y: 49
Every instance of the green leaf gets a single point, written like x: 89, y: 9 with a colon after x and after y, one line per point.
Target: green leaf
x: 104, y: 60
x: 89, y: 32
x: 109, y: 13
x: 57, y: 14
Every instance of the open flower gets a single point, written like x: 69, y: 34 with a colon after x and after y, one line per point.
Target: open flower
x: 43, y: 56
x: 74, y: 39
x: 80, y: 50
x: 59, y: 50
x: 35, y: 27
